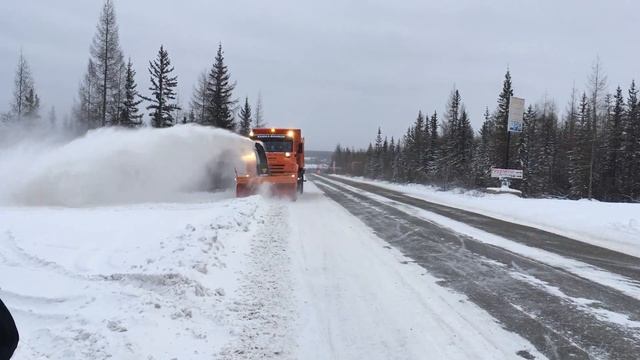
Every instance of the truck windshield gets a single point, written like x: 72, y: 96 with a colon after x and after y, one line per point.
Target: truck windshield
x: 278, y: 145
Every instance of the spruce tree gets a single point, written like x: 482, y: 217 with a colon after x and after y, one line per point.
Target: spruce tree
x: 630, y: 149
x: 130, y: 115
x: 31, y: 105
x: 23, y: 88
x: 526, y: 150
x: 579, y: 156
x: 377, y: 156
x: 433, y: 152
x: 614, y: 164
x: 108, y: 61
x: 162, y: 89
x: 501, y: 118
x: 220, y: 110
x: 482, y: 162
x: 245, y: 118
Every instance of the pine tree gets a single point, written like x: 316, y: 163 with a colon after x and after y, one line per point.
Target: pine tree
x: 566, y: 145
x: 376, y: 170
x: 630, y: 149
x: 464, y: 148
x: 108, y: 61
x: 527, y: 150
x: 482, y: 162
x: 579, y: 156
x: 450, y: 161
x: 130, y: 115
x: 32, y: 105
x: 433, y: 157
x: 220, y: 110
x: 245, y: 118
x: 614, y: 164
x: 501, y: 118
x: 23, y: 88
x: 545, y: 151
x: 163, y: 91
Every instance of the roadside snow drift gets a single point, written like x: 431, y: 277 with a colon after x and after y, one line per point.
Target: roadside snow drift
x: 115, y: 166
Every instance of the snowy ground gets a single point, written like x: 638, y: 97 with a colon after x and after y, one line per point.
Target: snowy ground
x: 229, y: 279
x: 615, y: 226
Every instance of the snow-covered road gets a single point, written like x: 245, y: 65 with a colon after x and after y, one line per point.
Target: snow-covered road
x: 342, y: 273
x: 361, y: 299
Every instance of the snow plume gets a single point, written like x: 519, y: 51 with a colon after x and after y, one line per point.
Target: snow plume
x: 115, y: 166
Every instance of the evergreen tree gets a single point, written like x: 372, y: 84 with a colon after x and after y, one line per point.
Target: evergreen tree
x: 162, y: 90
x: 526, y: 150
x: 31, y: 105
x: 108, y: 61
x: 630, y: 149
x: 501, y: 118
x: 614, y: 164
x: 566, y: 145
x: 220, y: 110
x: 23, y: 88
x: 370, y: 166
x: 245, y: 118
x: 579, y: 156
x: 482, y: 162
x: 377, y: 156
x: 130, y: 115
x: 433, y: 152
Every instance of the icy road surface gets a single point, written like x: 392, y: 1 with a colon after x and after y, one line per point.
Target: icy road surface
x: 572, y: 300
x: 230, y: 279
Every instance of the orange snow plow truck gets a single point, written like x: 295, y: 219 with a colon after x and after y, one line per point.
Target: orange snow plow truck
x: 276, y: 166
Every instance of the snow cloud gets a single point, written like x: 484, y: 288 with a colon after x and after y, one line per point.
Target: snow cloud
x: 114, y: 166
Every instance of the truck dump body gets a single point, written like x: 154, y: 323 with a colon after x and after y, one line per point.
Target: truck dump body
x: 284, y: 153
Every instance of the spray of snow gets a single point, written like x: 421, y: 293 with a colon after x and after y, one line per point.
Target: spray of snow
x: 115, y: 166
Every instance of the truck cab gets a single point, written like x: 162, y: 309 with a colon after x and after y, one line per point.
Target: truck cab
x: 276, y: 165
x: 285, y: 152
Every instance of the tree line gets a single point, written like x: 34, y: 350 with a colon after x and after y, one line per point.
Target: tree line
x: 592, y: 151
x: 108, y: 94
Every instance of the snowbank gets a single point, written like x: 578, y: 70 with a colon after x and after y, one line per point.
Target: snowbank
x: 118, y: 166
x: 614, y: 226
x: 128, y: 282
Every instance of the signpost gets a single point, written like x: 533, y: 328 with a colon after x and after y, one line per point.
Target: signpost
x: 506, y: 173
x: 516, y: 114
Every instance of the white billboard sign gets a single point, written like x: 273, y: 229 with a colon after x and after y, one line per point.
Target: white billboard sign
x: 516, y: 114
x: 506, y: 173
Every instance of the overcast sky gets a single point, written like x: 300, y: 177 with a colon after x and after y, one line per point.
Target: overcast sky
x: 337, y: 68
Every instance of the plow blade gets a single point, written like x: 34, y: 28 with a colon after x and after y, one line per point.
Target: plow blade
x: 284, y: 186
